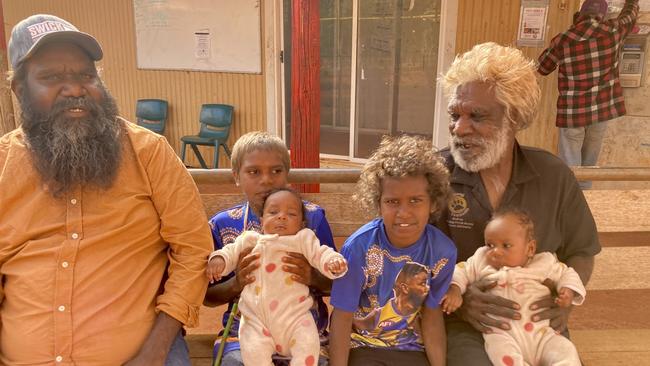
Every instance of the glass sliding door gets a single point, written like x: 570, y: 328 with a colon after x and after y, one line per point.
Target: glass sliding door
x: 396, y: 70
x: 389, y: 48
x: 336, y: 60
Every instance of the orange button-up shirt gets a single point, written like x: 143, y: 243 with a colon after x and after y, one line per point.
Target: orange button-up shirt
x: 81, y: 274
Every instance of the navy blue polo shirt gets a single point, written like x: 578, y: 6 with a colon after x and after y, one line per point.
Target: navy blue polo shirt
x: 540, y: 184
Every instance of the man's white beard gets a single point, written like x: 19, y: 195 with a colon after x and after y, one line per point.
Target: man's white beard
x: 493, y: 149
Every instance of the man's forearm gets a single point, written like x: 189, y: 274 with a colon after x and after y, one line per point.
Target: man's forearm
x: 156, y: 347
x: 583, y: 265
x: 630, y: 9
x: 222, y: 293
x: 320, y: 282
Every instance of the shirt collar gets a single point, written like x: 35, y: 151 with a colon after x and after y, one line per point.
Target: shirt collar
x: 523, y: 170
x: 587, y: 19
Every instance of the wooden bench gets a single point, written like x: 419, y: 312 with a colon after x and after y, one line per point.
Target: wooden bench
x: 611, y: 328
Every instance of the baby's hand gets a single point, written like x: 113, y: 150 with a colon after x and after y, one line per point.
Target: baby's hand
x: 452, y: 300
x: 216, y: 265
x: 564, y: 297
x: 337, y: 266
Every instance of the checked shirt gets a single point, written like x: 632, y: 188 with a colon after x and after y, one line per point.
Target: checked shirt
x: 587, y: 55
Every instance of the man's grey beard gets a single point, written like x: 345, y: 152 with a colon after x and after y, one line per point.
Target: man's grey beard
x: 68, y: 152
x: 493, y: 149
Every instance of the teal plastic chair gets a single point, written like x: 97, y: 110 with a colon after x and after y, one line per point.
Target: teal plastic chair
x: 215, y: 120
x: 152, y: 114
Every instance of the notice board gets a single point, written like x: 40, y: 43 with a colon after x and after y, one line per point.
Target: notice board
x: 201, y: 35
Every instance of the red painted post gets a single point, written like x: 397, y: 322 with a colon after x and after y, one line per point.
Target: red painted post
x: 305, y: 87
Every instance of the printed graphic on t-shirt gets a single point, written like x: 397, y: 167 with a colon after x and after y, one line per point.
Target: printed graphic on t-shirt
x: 394, y: 324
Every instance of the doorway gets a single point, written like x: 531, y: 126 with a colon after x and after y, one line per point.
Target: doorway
x: 379, y: 67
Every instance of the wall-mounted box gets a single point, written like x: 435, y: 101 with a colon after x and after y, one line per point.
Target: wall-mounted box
x: 632, y: 60
x: 631, y: 68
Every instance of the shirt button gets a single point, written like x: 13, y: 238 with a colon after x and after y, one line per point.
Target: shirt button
x: 73, y: 201
x: 59, y: 358
x: 64, y: 264
x: 61, y: 308
x: 75, y: 235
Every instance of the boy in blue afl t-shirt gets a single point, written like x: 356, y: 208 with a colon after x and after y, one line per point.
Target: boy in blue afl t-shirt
x: 386, y: 308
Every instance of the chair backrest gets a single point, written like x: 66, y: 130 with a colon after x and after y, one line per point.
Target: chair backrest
x: 216, y: 120
x: 152, y: 114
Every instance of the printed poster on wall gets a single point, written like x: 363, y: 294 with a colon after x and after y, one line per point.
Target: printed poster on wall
x: 532, y: 23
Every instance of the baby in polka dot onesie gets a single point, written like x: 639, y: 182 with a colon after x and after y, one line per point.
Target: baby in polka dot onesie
x: 274, y: 308
x: 508, y: 258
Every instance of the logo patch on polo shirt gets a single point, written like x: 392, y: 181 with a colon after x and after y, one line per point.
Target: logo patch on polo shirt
x: 458, y: 205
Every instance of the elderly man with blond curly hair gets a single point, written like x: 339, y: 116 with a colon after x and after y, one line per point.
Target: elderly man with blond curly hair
x: 493, y: 94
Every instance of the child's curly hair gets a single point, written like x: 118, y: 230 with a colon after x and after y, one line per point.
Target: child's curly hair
x: 401, y: 156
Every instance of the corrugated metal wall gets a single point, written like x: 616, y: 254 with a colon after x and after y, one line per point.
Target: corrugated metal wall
x: 111, y: 22
x: 497, y: 21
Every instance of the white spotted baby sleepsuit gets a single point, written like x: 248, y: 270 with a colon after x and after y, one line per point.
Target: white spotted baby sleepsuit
x: 275, y: 309
x: 527, y: 342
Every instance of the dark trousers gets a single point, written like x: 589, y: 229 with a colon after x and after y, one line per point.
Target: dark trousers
x: 366, y: 356
x: 464, y: 344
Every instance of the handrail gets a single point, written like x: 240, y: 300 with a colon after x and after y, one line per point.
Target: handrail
x: 296, y: 175
x: 325, y: 175
x: 611, y: 174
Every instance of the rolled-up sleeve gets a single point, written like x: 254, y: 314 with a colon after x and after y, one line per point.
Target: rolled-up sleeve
x: 184, y: 226
x: 548, y: 60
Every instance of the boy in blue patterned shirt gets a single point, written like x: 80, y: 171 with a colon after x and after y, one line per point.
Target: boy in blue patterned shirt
x: 260, y: 164
x: 386, y: 308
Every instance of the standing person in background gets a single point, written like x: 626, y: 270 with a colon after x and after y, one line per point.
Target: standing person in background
x: 493, y: 93
x: 103, y: 239
x: 587, y: 55
x: 260, y: 164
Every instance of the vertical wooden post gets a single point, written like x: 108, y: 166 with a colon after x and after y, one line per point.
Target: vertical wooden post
x: 305, y: 87
x: 7, y: 120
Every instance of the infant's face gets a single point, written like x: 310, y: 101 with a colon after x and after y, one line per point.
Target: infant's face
x: 507, y: 243
x: 282, y: 214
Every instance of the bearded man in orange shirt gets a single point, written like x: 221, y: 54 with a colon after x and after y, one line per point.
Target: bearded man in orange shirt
x: 103, y: 237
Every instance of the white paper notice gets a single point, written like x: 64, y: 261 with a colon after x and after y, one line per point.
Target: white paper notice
x: 202, y: 49
x: 532, y: 24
